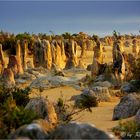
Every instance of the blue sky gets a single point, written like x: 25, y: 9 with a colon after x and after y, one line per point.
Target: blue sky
x: 92, y: 17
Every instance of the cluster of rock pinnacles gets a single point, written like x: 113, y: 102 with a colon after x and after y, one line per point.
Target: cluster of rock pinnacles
x: 61, y: 54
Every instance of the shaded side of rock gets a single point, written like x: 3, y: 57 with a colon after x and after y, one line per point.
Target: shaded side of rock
x: 89, y: 67
x: 128, y: 106
x: 31, y: 131
x: 132, y: 86
x: 78, y: 131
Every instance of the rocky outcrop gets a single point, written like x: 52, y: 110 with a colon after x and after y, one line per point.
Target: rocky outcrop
x: 128, y: 106
x: 102, y: 93
x: 43, y: 108
x: 78, y: 131
x: 7, y: 78
x: 47, y: 82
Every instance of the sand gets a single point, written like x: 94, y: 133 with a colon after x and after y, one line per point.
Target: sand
x: 101, y: 116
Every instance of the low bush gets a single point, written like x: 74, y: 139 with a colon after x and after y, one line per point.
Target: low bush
x: 127, y: 130
x: 12, y: 112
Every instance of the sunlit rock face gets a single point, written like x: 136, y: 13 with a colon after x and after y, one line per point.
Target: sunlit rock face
x: 2, y: 62
x: 24, y: 52
x: 63, y: 56
x: 8, y: 78
x: 18, y: 57
x: 47, y: 54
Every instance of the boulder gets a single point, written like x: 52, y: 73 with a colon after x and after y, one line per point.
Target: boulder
x: 128, y: 106
x: 132, y: 86
x: 75, y: 130
x: 43, y: 108
x: 100, y: 78
x: 31, y: 131
x: 103, y: 84
x: 89, y: 67
x: 86, y: 99
x: 97, y: 93
x: 102, y: 93
x: 41, y: 82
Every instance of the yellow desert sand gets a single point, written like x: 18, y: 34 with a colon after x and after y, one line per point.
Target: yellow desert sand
x: 101, y: 116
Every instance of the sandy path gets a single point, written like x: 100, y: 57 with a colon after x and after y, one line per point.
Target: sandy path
x: 101, y: 116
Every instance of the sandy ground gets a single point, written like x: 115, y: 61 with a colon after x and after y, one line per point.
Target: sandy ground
x: 101, y: 116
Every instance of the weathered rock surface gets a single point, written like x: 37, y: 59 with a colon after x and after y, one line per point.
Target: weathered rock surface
x: 103, y: 84
x: 47, y: 82
x: 78, y: 131
x: 98, y: 93
x: 128, y: 106
x: 132, y: 86
x: 7, y: 78
x: 43, y: 108
x: 102, y: 93
x: 31, y: 131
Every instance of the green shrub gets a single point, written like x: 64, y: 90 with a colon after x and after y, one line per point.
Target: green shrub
x: 86, y: 102
x: 21, y: 96
x: 12, y: 117
x: 127, y: 130
x: 66, y: 111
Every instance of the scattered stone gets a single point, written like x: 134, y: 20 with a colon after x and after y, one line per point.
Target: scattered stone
x: 128, y: 106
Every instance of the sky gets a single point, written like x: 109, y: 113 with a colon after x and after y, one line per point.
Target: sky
x: 92, y: 17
